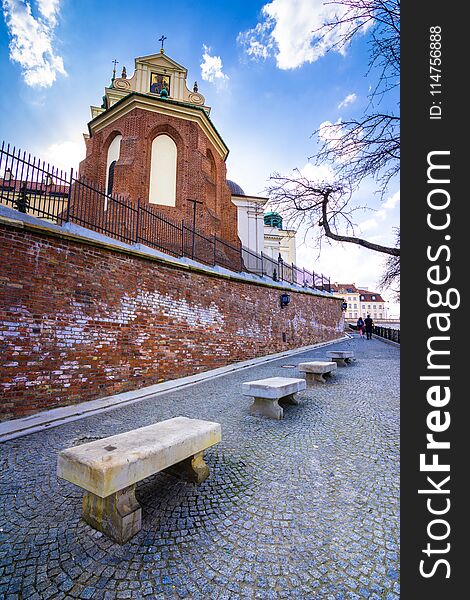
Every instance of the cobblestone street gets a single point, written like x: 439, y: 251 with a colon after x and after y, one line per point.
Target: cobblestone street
x: 306, y: 507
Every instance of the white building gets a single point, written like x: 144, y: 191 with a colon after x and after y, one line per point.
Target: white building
x: 262, y: 232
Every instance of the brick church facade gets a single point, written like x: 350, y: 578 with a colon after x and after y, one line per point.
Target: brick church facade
x: 153, y: 140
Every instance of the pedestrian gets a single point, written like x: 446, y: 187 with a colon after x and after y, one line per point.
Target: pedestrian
x: 369, y: 324
x: 360, y: 327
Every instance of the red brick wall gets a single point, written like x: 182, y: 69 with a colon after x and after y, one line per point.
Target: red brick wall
x: 201, y: 171
x: 81, y: 321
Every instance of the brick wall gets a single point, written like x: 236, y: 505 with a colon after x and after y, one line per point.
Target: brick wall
x: 201, y: 171
x: 80, y: 320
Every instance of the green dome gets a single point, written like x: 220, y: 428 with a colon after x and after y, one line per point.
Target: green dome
x: 273, y: 219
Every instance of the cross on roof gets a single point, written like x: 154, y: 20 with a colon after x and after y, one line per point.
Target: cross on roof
x: 162, y: 40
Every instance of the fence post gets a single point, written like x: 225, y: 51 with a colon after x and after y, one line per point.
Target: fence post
x: 182, y: 237
x: 193, y: 245
x: 137, y: 227
x: 67, y: 218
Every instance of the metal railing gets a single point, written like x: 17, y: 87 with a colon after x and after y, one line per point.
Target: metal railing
x: 39, y: 189
x: 387, y: 333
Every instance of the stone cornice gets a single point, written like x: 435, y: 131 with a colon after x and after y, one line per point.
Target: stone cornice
x: 180, y: 110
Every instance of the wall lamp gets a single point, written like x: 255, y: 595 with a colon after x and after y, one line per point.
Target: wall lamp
x: 285, y: 299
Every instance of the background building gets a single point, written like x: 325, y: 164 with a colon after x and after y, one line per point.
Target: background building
x: 361, y: 302
x: 250, y: 211
x: 278, y: 241
x: 260, y: 231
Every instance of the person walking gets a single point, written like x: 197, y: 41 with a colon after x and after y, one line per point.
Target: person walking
x: 369, y: 324
x: 360, y: 327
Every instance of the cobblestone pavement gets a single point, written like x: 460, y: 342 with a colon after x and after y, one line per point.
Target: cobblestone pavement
x: 306, y: 507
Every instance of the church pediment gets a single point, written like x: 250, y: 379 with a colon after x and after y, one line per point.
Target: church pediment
x: 155, y: 75
x: 160, y: 61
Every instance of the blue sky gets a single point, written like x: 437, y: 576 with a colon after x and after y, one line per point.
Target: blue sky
x: 269, y: 83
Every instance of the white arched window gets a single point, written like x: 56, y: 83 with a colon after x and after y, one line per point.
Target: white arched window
x: 113, y: 156
x: 163, y: 171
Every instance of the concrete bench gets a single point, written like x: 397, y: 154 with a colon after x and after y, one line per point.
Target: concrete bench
x: 268, y: 392
x: 110, y: 468
x: 341, y: 357
x: 317, y: 371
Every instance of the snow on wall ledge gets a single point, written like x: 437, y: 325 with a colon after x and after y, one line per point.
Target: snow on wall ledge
x: 80, y: 320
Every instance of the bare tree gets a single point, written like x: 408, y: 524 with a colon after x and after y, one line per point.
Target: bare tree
x: 390, y: 279
x: 356, y: 149
x: 370, y: 145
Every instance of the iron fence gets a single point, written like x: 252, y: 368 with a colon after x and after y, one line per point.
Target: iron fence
x: 388, y: 333
x: 38, y: 188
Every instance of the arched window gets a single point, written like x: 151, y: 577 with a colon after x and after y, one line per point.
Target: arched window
x: 163, y: 171
x: 109, y: 189
x: 211, y: 177
x: 113, y: 156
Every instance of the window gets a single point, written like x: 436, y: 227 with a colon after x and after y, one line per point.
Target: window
x: 114, y: 151
x: 210, y: 185
x: 109, y: 189
x: 355, y: 306
x: 163, y: 171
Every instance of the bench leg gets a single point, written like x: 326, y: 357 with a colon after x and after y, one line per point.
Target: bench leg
x: 341, y: 362
x: 290, y: 399
x: 313, y: 378
x: 118, y: 516
x: 193, y: 469
x: 266, y: 407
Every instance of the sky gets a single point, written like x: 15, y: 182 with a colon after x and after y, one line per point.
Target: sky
x: 269, y: 81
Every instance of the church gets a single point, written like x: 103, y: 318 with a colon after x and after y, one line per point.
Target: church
x: 152, y: 139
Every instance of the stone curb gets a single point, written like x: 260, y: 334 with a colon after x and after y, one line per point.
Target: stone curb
x: 58, y: 416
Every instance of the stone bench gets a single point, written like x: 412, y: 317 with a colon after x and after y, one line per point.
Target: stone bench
x: 317, y: 371
x: 109, y: 469
x: 267, y: 393
x: 341, y: 357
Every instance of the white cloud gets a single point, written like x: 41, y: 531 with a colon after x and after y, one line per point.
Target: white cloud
x: 31, y: 40
x: 350, y: 98
x: 289, y: 32
x: 49, y: 9
x: 211, y: 67
x: 317, y: 173
x: 331, y: 133
x: 382, y: 214
x: 64, y: 155
x: 392, y: 201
